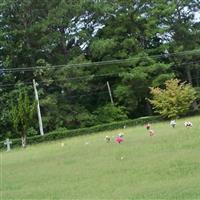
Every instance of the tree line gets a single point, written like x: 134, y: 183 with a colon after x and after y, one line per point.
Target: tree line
x: 72, y: 48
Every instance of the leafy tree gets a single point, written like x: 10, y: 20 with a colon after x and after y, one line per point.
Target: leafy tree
x: 22, y: 114
x: 8, y: 97
x: 173, y: 101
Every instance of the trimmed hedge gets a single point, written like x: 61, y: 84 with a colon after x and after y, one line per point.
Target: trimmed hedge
x: 64, y: 133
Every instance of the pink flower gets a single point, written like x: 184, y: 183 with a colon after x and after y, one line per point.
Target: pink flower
x: 119, y: 140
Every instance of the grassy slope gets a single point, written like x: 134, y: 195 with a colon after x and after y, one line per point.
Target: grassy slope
x: 166, y: 166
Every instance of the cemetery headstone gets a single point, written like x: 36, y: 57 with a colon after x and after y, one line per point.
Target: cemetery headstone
x: 8, y: 143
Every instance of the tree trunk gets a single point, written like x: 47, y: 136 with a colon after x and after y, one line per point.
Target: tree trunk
x: 197, y: 77
x: 189, y: 77
x: 188, y: 73
x: 149, y: 109
x: 24, y: 141
x: 63, y: 43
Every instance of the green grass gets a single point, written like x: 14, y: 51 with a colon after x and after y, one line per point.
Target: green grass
x: 165, y: 166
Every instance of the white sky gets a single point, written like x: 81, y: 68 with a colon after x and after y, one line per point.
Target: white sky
x: 197, y: 16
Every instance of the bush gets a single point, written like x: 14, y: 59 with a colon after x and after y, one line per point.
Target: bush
x: 110, y: 113
x: 31, y: 132
x: 175, y: 100
x: 64, y: 133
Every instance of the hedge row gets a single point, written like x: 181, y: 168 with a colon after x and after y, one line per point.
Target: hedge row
x: 64, y: 133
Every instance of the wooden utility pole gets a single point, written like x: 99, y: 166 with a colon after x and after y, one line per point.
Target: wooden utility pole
x: 38, y: 108
x: 110, y: 93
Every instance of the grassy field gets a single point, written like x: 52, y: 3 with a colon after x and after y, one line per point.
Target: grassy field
x: 165, y: 166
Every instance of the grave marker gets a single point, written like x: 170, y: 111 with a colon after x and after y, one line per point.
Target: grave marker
x: 8, y: 143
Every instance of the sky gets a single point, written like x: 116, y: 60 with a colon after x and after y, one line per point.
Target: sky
x: 197, y: 16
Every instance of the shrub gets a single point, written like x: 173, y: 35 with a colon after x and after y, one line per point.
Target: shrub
x: 173, y: 101
x: 31, y: 132
x: 110, y: 113
x: 65, y: 133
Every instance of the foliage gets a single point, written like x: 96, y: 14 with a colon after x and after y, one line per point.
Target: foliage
x: 150, y: 37
x: 173, y: 101
x: 21, y: 115
x: 31, y: 132
x: 110, y: 113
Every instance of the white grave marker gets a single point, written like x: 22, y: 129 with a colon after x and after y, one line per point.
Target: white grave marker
x: 8, y: 143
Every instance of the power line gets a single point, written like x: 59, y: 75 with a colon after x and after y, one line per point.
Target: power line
x: 61, y: 80
x: 88, y: 94
x: 100, y: 63
x: 108, y: 74
x: 93, y: 90
x: 83, y: 77
x: 91, y: 76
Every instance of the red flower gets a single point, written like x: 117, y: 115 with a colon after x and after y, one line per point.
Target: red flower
x: 119, y: 140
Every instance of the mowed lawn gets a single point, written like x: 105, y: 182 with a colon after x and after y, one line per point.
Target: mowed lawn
x: 165, y: 166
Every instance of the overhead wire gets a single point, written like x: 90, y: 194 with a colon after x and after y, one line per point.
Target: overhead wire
x: 88, y: 94
x: 109, y: 62
x: 84, y: 77
x: 61, y: 80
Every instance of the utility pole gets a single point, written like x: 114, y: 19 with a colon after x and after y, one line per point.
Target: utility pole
x: 109, y: 90
x: 38, y: 108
